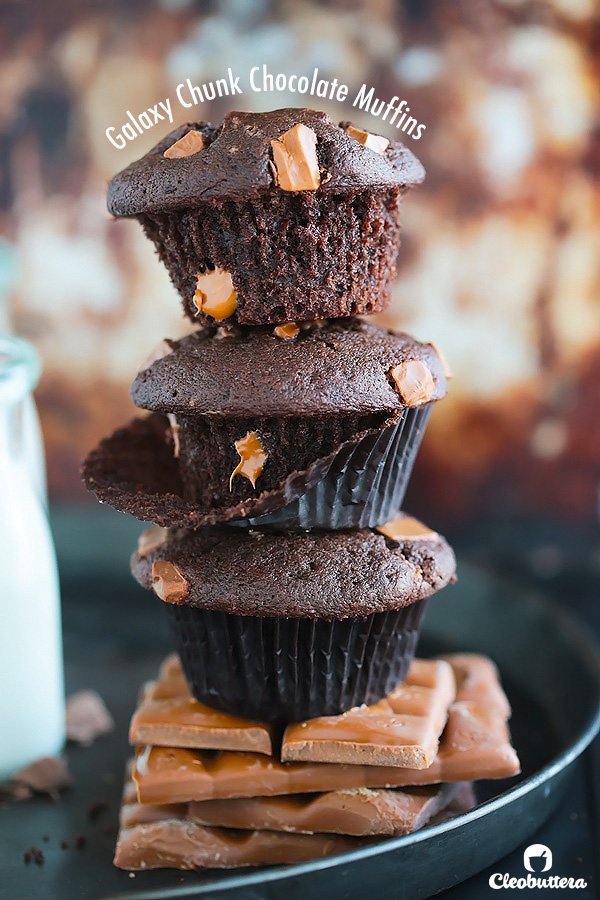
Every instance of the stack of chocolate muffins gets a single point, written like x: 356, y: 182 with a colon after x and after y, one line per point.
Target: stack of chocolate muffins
x: 273, y: 463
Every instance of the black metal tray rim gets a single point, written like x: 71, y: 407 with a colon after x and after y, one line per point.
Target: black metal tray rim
x: 590, y: 650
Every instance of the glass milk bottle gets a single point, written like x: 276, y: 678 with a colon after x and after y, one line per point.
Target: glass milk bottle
x: 32, y: 713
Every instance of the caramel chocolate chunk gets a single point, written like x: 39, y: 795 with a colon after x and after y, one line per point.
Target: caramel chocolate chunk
x: 190, y: 143
x: 373, y: 141
x: 443, y: 361
x: 295, y: 159
x: 252, y: 458
x: 167, y: 582
x: 150, y: 539
x: 87, y: 717
x: 474, y: 744
x: 168, y: 715
x: 286, y: 332
x: 403, y: 729
x: 407, y: 529
x: 360, y: 812
x: 215, y: 294
x: 174, y: 433
x: 414, y: 382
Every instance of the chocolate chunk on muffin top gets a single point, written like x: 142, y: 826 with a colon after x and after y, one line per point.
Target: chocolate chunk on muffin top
x: 234, y: 161
x: 318, y: 575
x: 334, y: 368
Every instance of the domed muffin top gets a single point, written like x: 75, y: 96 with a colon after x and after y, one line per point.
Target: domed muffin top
x: 343, y: 366
x: 235, y: 161
x: 316, y: 575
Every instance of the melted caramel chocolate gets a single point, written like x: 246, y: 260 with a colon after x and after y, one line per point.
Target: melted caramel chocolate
x: 215, y: 294
x: 252, y: 458
x: 287, y: 332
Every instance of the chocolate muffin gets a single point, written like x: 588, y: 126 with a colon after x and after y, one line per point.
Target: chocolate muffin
x: 287, y: 627
x: 272, y: 217
x: 316, y: 432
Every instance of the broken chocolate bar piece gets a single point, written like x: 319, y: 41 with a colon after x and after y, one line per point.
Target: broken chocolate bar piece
x: 174, y: 835
x: 359, y: 811
x: 463, y: 801
x: 87, y: 717
x: 48, y: 775
x: 164, y: 836
x: 181, y: 844
x: 475, y: 744
x: 169, y: 716
x: 403, y: 729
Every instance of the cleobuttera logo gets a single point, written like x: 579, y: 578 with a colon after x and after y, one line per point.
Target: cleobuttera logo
x: 537, y: 858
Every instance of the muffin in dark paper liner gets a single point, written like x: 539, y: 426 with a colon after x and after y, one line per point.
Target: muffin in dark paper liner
x: 360, y: 485
x: 337, y: 418
x: 287, y: 627
x: 272, y: 217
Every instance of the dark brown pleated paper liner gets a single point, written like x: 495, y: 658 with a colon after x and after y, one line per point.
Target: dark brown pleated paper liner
x: 285, y: 670
x: 364, y: 487
x: 361, y: 484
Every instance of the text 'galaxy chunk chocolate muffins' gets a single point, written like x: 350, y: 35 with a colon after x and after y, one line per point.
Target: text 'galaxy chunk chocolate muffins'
x: 273, y: 456
x: 272, y: 217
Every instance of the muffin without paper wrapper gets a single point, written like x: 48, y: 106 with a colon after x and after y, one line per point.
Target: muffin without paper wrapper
x: 325, y: 249
x: 287, y: 627
x: 337, y: 430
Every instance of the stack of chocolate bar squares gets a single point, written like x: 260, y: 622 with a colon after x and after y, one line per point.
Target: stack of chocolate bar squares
x: 208, y: 789
x: 295, y: 721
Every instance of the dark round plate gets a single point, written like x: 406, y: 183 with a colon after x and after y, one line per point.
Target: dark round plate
x: 551, y: 671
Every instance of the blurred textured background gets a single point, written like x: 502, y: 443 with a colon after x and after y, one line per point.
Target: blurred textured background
x: 500, y: 261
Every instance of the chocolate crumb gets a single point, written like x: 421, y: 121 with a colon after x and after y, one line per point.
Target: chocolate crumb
x: 34, y: 854
x: 80, y: 841
x: 45, y: 838
x: 64, y: 845
x: 95, y: 810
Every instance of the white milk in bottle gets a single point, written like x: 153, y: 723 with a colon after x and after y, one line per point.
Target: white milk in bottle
x: 32, y: 713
